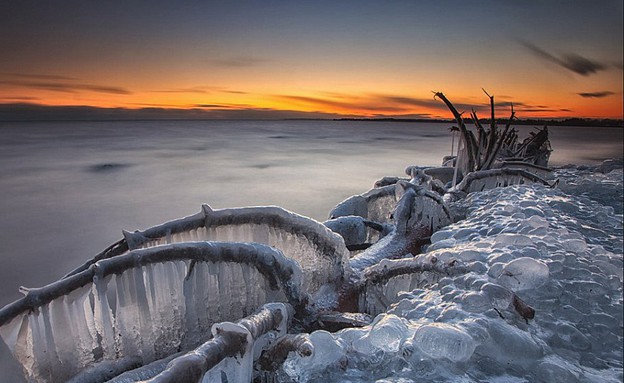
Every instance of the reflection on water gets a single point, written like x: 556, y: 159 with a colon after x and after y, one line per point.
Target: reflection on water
x: 69, y: 188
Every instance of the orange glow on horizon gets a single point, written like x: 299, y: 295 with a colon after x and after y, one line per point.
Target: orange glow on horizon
x: 342, y: 101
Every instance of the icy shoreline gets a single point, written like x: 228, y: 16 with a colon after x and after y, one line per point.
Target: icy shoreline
x: 560, y: 250
x: 536, y: 295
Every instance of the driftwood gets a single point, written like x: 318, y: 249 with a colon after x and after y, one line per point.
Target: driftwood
x: 230, y: 340
x: 271, y: 263
x: 477, y: 181
x: 490, y: 144
x: 272, y: 358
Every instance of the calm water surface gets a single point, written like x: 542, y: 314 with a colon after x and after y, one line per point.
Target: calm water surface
x: 69, y: 188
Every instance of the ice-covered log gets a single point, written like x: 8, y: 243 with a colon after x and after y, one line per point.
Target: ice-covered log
x: 382, y: 282
x: 321, y: 253
x: 273, y: 357
x: 148, y: 303
x: 230, y: 354
x: 131, y: 241
x: 490, y: 179
x: 442, y: 173
x: 357, y: 232
x: 379, y: 204
x: 414, y: 220
x: 374, y: 205
x: 540, y: 171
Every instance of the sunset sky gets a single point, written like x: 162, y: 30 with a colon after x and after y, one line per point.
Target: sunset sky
x: 237, y: 59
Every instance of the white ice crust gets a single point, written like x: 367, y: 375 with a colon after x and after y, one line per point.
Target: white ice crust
x: 560, y: 253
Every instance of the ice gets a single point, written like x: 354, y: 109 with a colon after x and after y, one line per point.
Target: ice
x: 321, y: 253
x: 10, y: 369
x: 379, y: 343
x: 575, y: 245
x: 144, y: 310
x: 327, y: 353
x: 550, y: 371
x: 568, y: 336
x: 508, y: 239
x: 527, y: 286
x: 443, y: 341
x: 509, y: 345
x: 558, y: 253
x: 387, y: 333
x: 523, y: 273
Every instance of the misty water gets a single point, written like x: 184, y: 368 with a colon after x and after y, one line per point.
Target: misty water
x: 69, y: 188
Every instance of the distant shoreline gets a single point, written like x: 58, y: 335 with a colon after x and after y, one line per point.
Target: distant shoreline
x: 603, y: 122
x: 41, y: 113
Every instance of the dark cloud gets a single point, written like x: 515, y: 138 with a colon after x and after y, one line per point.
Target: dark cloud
x: 36, y: 112
x: 571, y: 61
x: 222, y: 106
x: 595, y: 94
x: 195, y: 89
x: 37, y: 76
x: 581, y: 65
x: 66, y: 87
x: 239, y: 62
x: 356, y: 105
x: 235, y: 91
x: 423, y: 102
x: 20, y: 98
x: 200, y: 90
x: 542, y: 110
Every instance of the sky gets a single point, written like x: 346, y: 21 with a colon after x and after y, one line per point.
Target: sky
x: 312, y: 59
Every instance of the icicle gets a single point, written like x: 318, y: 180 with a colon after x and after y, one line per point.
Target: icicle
x: 10, y: 332
x: 62, y: 324
x: 81, y: 310
x: 18, y: 337
x: 191, y: 321
x: 103, y: 318
x: 127, y: 331
x: 225, y: 291
x: 213, y: 291
x: 144, y: 316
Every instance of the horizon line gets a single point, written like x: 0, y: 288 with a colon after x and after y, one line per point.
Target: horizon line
x: 34, y: 112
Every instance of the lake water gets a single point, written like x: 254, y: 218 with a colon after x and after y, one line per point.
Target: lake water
x: 69, y: 188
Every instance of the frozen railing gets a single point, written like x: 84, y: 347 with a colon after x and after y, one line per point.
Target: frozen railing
x: 490, y: 179
x: 321, y: 253
x: 383, y: 282
x: 141, y: 306
x: 229, y: 356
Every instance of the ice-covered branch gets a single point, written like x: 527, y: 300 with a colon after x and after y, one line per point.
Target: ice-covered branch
x: 321, y: 253
x: 390, y: 268
x: 233, y: 341
x: 490, y: 179
x: 414, y: 219
x: 148, y: 303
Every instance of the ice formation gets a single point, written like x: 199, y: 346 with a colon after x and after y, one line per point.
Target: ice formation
x: 321, y: 254
x: 490, y: 179
x: 533, y: 298
x: 417, y: 214
x: 503, y: 276
x: 374, y: 205
x: 230, y: 353
x: 142, y: 306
